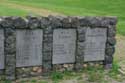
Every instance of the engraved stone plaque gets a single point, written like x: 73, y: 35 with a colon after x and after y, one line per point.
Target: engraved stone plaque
x: 64, y: 46
x: 29, y: 47
x: 95, y: 44
x: 2, y: 49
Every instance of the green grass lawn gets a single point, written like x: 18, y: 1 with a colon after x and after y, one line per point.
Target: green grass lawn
x: 74, y: 8
x: 8, y: 11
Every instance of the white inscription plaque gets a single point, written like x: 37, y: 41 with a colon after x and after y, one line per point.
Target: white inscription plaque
x: 29, y: 47
x: 95, y: 44
x: 1, y: 49
x: 64, y: 45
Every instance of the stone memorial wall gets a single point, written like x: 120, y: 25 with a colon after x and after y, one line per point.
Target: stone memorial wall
x: 35, y: 46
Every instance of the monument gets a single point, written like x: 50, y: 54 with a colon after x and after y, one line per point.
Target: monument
x: 36, y: 46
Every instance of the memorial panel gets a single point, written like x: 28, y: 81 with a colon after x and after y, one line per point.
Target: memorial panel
x: 2, y: 49
x: 29, y: 47
x: 64, y: 46
x: 95, y: 44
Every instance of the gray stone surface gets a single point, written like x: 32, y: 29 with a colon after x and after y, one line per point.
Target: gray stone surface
x: 10, y: 53
x: 29, y: 47
x: 95, y: 44
x: 2, y: 49
x: 47, y: 49
x: 64, y: 46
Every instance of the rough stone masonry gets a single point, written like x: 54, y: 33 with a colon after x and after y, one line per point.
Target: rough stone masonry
x: 35, y: 46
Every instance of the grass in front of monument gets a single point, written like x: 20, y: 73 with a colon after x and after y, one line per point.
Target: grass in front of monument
x: 90, y: 74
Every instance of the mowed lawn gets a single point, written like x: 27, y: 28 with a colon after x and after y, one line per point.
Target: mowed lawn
x: 69, y: 7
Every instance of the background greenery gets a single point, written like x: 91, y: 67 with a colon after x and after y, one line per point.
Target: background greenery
x: 69, y: 7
